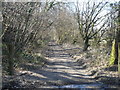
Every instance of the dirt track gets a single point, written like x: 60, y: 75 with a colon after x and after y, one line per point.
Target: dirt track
x: 61, y: 70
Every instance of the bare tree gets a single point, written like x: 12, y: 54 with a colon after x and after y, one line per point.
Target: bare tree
x: 64, y: 23
x: 21, y: 23
x: 90, y: 20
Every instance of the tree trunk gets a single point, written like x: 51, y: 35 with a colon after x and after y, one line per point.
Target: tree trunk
x: 116, y: 52
x: 119, y: 58
x: 86, y: 44
x: 10, y: 60
x: 119, y: 43
x: 116, y: 46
